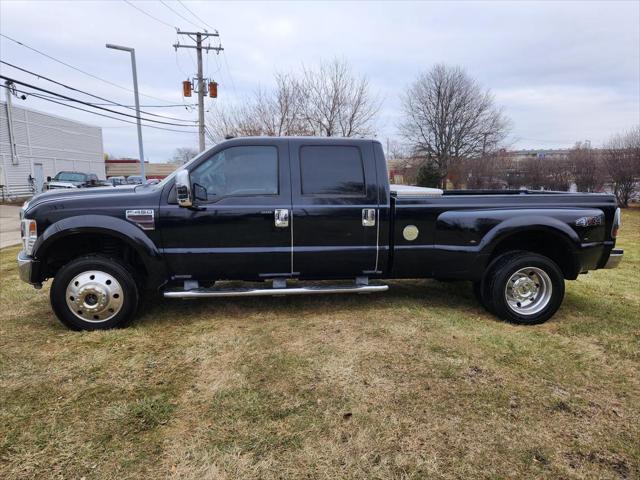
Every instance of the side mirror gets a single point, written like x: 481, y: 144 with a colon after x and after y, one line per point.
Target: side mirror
x: 48, y: 179
x: 183, y: 188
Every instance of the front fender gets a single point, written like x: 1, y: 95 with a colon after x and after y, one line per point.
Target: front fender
x: 105, y: 225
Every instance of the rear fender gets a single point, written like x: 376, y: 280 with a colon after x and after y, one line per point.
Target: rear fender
x: 531, y: 223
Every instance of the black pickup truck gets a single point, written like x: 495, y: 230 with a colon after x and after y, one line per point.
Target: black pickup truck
x: 290, y: 210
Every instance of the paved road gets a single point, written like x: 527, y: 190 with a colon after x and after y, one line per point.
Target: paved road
x: 9, y: 225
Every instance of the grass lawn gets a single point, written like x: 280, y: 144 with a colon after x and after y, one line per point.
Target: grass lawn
x: 418, y: 382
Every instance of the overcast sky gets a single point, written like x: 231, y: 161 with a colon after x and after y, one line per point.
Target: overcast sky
x: 562, y: 71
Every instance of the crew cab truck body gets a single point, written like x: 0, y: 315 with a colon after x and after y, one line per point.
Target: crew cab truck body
x: 282, y: 209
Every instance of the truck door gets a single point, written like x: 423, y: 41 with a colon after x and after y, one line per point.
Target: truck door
x: 242, y: 230
x: 335, y: 208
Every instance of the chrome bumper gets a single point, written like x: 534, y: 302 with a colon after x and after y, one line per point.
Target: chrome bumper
x: 25, y: 268
x: 615, y: 257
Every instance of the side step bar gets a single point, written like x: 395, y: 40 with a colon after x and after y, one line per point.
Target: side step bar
x: 261, y: 292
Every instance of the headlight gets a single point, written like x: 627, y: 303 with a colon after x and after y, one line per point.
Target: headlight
x: 29, y: 233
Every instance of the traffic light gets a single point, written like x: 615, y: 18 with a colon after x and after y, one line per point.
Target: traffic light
x: 213, y: 89
x: 186, y: 88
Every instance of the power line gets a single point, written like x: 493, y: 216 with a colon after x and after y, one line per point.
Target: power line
x: 209, y: 134
x: 178, y: 64
x: 60, y: 96
x: 111, y: 102
x: 86, y: 103
x: 78, y: 69
x: 181, y: 105
x: 179, y: 14
x: 149, y: 15
x: 196, y: 16
x: 233, y: 83
x: 48, y: 99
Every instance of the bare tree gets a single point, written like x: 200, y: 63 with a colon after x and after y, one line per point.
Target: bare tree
x: 622, y: 160
x: 280, y: 112
x: 448, y: 116
x: 586, y: 168
x: 233, y: 121
x: 182, y: 155
x: 533, y: 173
x: 540, y: 173
x: 406, y: 168
x: 328, y: 101
x: 558, y: 175
x: 336, y: 102
x: 396, y: 150
x: 490, y: 171
x: 459, y: 173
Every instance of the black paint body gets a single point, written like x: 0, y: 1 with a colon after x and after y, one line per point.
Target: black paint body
x: 234, y: 237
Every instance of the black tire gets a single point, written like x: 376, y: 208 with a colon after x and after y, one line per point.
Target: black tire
x: 482, y: 295
x: 543, y: 306
x: 127, y: 293
x: 481, y: 287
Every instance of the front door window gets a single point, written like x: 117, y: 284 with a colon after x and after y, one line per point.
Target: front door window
x: 239, y: 171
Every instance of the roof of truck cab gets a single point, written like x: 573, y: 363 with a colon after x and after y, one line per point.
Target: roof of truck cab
x: 301, y: 138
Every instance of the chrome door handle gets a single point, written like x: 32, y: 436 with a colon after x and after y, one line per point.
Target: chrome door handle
x: 281, y: 218
x: 368, y: 217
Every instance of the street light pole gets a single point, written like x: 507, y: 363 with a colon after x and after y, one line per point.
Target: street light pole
x: 137, y: 101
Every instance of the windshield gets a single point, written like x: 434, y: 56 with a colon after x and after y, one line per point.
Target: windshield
x: 69, y: 177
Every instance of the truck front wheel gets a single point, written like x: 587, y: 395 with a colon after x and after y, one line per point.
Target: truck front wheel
x: 94, y: 293
x: 525, y: 288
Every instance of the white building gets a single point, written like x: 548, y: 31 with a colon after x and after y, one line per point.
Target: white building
x: 35, y: 145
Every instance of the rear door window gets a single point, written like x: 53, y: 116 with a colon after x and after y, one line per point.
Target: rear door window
x: 332, y: 171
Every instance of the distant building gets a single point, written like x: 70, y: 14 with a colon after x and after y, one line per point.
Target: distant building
x: 124, y: 167
x: 35, y: 145
x: 551, y: 154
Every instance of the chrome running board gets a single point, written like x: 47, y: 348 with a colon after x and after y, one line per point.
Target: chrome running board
x: 273, y: 292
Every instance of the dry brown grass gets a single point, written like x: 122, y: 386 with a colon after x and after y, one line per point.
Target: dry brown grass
x: 416, y: 383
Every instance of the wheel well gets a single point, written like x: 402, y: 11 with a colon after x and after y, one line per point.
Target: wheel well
x: 551, y: 245
x: 77, y: 245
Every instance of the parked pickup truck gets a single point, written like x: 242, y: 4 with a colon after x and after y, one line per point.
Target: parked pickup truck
x: 72, y: 180
x: 285, y: 211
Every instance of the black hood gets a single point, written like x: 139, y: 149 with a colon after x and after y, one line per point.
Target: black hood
x: 90, y: 196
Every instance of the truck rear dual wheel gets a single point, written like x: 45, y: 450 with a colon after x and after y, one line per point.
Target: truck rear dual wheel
x: 94, y: 293
x: 522, y: 287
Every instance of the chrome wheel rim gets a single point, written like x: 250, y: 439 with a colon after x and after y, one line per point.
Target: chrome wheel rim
x: 94, y: 296
x: 528, y: 291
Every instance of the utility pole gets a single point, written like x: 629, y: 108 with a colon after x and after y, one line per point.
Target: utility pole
x: 137, y: 101
x: 10, y: 90
x: 198, y: 37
